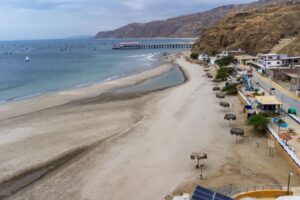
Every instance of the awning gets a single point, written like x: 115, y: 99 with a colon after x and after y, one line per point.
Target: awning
x: 267, y: 100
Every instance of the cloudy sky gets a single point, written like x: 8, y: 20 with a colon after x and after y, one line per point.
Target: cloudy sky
x: 43, y: 19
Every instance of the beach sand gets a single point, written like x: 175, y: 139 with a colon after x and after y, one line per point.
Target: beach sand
x: 135, y: 148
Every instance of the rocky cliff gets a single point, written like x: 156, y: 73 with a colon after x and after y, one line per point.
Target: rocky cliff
x: 254, y: 30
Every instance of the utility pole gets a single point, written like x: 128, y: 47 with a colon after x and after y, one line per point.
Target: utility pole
x: 289, y: 182
x: 282, y: 103
x: 270, y: 77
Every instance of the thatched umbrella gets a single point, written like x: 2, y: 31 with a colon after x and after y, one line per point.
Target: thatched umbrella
x: 199, y: 156
x: 237, y: 132
x: 216, y: 88
x: 230, y: 117
x: 217, y: 80
x: 220, y: 96
x: 224, y: 104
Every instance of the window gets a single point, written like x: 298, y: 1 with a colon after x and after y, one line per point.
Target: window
x: 278, y: 63
x: 268, y: 63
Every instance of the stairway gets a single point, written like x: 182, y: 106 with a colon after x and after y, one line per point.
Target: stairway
x: 281, y: 44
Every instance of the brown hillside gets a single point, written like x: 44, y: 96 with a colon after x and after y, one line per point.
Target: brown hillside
x: 183, y: 26
x: 292, y: 49
x: 255, y: 30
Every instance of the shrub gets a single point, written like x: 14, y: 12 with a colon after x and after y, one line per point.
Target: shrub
x: 259, y: 121
x: 223, y: 73
x: 230, y: 89
x: 225, y: 61
x: 194, y: 56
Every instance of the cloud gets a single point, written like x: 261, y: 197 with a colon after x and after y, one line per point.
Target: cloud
x: 29, y: 19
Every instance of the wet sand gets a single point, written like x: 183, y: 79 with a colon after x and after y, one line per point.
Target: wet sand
x: 130, y: 148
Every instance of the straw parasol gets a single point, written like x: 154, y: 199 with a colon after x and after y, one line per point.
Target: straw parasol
x: 220, y: 96
x: 224, y: 104
x: 216, y: 88
x: 230, y: 117
x: 237, y: 132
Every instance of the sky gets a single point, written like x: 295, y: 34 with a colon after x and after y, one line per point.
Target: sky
x: 51, y: 19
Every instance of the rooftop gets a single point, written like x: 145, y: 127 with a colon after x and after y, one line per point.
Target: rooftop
x: 267, y: 100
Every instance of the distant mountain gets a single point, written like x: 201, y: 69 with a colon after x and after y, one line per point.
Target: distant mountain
x: 80, y: 37
x: 254, y: 30
x: 183, y: 26
x: 179, y: 27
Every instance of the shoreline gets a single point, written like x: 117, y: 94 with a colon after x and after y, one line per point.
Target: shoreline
x: 159, y: 62
x: 139, y: 147
x: 51, y: 99
x: 11, y: 184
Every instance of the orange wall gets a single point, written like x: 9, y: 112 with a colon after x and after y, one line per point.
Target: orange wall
x: 262, y: 194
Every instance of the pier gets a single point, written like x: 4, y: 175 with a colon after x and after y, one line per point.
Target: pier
x: 137, y: 45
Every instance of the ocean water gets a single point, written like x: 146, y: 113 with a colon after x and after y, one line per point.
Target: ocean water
x: 171, y: 78
x: 64, y: 64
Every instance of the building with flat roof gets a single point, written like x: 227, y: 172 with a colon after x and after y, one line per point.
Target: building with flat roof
x: 271, y: 60
x: 291, y: 61
x: 231, y: 53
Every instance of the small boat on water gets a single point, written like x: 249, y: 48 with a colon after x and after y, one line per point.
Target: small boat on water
x: 27, y: 59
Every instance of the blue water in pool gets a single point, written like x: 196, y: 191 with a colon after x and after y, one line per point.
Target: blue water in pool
x: 63, y: 64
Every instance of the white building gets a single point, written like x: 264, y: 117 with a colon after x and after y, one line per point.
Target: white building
x: 203, y: 57
x: 212, y: 60
x: 231, y: 53
x: 271, y: 60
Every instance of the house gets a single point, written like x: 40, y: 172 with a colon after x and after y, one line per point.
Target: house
x: 271, y: 60
x: 268, y: 103
x: 212, y: 60
x: 291, y: 61
x: 203, y: 57
x: 231, y: 53
x: 245, y: 59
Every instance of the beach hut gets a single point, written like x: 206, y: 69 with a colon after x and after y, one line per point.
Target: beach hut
x: 268, y: 103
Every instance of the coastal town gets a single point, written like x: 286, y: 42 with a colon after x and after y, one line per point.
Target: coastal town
x: 267, y: 86
x: 150, y: 100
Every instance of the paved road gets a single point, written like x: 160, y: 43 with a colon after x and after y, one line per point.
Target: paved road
x: 288, y: 100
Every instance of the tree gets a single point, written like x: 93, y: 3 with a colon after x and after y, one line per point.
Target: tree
x: 223, y: 73
x: 194, y: 56
x: 259, y: 121
x: 225, y: 61
x: 230, y: 89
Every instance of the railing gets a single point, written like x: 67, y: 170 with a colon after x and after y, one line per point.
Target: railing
x: 289, y: 152
x: 256, y: 188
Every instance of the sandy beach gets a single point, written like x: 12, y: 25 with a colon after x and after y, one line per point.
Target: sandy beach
x: 135, y: 148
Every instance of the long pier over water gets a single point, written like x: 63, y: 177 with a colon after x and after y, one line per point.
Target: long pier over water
x: 137, y: 45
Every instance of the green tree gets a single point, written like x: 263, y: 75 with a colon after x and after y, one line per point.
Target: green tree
x: 194, y: 56
x: 259, y: 121
x: 225, y: 61
x: 223, y: 73
x: 230, y: 89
